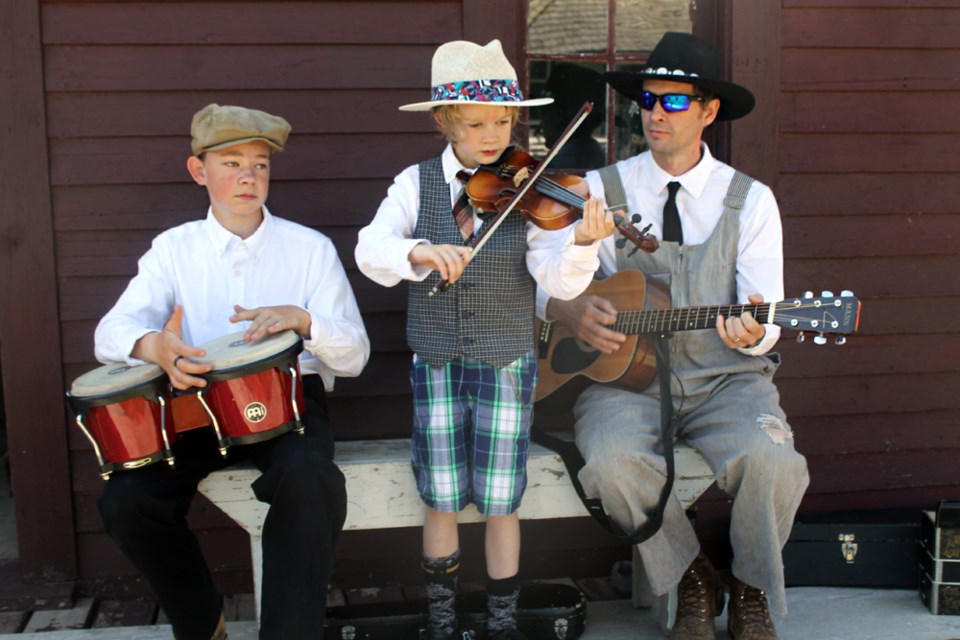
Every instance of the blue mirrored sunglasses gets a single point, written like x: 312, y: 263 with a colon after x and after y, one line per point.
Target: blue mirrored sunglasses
x: 671, y: 102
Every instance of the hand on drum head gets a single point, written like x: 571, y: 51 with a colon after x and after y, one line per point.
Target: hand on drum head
x: 167, y: 349
x: 267, y: 320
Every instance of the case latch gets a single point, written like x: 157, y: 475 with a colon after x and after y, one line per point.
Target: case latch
x: 849, y: 548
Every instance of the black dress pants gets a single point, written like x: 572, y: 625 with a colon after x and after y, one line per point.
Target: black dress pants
x: 145, y: 510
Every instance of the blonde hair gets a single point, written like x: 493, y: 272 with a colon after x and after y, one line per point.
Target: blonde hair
x: 448, y: 120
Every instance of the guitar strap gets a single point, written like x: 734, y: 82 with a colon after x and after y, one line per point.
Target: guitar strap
x: 616, y: 198
x: 573, y: 459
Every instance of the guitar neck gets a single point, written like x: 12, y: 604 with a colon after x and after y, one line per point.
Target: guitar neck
x: 652, y: 321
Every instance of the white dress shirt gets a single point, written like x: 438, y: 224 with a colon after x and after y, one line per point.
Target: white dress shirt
x: 700, y: 202
x: 207, y: 269
x: 563, y: 268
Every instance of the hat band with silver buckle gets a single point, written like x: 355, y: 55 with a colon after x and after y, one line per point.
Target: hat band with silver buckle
x: 478, y: 91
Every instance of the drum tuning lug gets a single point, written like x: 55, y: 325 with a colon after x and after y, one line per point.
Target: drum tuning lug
x: 801, y: 337
x: 819, y: 339
x: 840, y: 341
x: 846, y: 293
x: 808, y: 294
x: 826, y: 294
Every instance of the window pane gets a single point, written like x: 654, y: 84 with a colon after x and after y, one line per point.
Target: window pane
x: 629, y: 129
x: 570, y: 84
x: 567, y: 26
x: 641, y: 23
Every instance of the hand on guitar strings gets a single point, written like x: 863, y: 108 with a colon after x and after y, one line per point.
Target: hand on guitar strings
x: 589, y: 317
x: 743, y: 331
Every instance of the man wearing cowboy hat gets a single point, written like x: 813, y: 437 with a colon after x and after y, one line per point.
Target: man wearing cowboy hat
x: 720, y: 244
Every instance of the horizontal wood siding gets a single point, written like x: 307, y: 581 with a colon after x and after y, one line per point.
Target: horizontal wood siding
x: 122, y: 81
x: 868, y: 176
x: 856, y: 135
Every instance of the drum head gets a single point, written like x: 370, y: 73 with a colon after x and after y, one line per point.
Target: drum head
x: 232, y: 351
x: 113, y: 378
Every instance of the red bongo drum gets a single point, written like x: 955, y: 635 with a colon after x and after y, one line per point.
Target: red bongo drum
x: 123, y: 412
x: 254, y: 392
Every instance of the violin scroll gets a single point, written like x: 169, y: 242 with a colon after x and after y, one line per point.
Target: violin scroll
x: 639, y: 237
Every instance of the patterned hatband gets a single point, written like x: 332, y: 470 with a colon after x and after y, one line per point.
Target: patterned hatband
x: 478, y: 91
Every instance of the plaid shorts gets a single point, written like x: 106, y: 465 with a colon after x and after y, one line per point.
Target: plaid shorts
x: 471, y: 433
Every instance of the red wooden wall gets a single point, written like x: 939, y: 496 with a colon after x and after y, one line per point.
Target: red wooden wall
x: 855, y: 132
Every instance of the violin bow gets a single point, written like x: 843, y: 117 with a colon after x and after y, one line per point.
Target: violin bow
x: 495, y: 223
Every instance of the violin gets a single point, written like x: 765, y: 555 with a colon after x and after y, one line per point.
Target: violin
x: 512, y: 183
x: 552, y: 203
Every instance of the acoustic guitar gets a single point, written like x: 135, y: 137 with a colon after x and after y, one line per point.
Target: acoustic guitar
x: 569, y: 365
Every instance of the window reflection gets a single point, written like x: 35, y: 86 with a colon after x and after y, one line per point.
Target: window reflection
x: 567, y: 26
x: 569, y: 46
x: 570, y: 85
x: 641, y: 23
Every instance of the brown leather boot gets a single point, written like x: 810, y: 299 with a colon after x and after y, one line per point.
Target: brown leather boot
x: 699, y: 601
x: 220, y: 633
x: 749, y: 617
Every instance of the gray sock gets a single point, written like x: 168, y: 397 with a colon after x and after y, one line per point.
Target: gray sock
x: 441, y: 574
x: 502, y: 596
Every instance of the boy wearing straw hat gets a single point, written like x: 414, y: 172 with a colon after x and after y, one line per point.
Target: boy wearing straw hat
x: 721, y: 243
x: 474, y: 370
x: 240, y: 268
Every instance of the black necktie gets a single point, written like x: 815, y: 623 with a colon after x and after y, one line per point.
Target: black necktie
x: 672, y: 231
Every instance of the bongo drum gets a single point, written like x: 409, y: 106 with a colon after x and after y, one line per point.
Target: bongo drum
x: 123, y: 412
x: 254, y: 391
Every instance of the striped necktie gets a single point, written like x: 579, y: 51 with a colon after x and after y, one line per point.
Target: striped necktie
x: 462, y: 210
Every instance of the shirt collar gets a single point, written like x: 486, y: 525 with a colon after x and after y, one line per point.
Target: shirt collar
x: 451, y: 166
x: 693, y: 181
x: 223, y: 239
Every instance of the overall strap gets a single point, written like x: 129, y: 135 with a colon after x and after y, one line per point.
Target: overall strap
x: 613, y: 194
x: 737, y: 191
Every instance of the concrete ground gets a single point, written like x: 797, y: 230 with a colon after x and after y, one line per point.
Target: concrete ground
x: 816, y: 613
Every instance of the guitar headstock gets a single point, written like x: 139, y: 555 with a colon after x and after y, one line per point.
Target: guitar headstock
x: 827, y: 314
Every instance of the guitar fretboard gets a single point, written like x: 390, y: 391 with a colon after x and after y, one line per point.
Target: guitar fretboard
x: 644, y: 321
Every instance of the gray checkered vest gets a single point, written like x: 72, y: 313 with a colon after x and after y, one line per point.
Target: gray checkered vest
x: 488, y: 313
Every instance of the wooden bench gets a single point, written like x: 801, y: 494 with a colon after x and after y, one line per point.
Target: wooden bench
x: 381, y: 494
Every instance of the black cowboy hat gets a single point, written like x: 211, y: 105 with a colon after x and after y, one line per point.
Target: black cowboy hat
x: 681, y: 57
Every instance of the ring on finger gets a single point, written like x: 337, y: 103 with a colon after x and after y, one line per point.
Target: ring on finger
x: 176, y: 360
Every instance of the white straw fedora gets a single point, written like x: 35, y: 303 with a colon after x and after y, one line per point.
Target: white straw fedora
x: 464, y: 72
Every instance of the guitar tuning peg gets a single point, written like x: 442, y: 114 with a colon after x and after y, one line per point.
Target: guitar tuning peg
x: 808, y: 294
x: 819, y: 339
x: 846, y: 293
x: 826, y: 294
x: 801, y: 337
x: 840, y: 341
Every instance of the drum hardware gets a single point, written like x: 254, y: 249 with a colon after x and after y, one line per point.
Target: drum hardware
x: 114, y: 409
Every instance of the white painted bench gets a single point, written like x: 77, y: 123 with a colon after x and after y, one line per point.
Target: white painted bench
x: 381, y: 494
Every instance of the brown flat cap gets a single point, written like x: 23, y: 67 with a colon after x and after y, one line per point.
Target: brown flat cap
x: 218, y: 127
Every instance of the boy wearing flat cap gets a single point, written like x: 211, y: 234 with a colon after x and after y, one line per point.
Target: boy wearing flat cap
x: 240, y: 268
x: 720, y: 244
